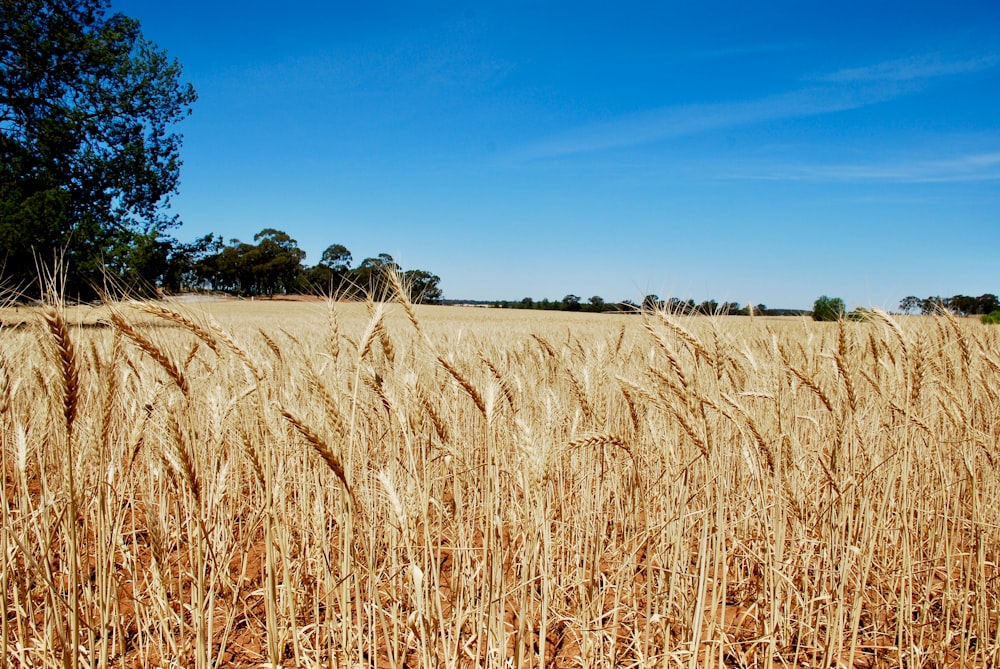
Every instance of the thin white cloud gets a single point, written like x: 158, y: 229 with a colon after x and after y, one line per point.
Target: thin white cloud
x: 838, y: 91
x: 910, y: 69
x: 962, y: 168
x: 686, y: 120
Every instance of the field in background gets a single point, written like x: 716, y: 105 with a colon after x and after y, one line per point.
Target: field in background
x: 305, y: 485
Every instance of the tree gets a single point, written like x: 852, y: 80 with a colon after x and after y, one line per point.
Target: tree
x: 962, y: 304
x: 87, y: 163
x: 369, y: 278
x: 932, y: 305
x: 987, y: 304
x: 828, y: 309
x: 337, y: 258
x: 276, y: 262
x: 422, y: 286
x: 330, y: 273
x: 191, y: 265
x: 708, y: 308
x: 571, y: 303
x: 909, y: 304
x: 233, y: 271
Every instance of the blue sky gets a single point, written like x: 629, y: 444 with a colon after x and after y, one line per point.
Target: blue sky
x: 766, y: 152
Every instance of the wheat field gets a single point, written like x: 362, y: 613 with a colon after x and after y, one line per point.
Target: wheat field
x: 310, y: 484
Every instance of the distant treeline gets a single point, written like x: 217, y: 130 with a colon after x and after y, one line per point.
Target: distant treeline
x: 963, y: 305
x: 273, y: 266
x: 598, y: 304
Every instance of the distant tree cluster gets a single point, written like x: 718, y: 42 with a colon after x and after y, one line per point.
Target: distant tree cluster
x: 597, y: 304
x: 832, y: 308
x: 274, y: 266
x: 676, y: 305
x: 963, y: 305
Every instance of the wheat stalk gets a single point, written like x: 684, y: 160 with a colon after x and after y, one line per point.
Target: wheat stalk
x: 502, y: 381
x: 153, y: 351
x: 685, y: 335
x: 271, y: 344
x: 403, y: 295
x: 238, y: 350
x: 809, y: 383
x: 599, y: 439
x: 465, y: 384
x: 372, y: 330
x: 329, y: 457
x: 182, y: 320
x: 68, y: 366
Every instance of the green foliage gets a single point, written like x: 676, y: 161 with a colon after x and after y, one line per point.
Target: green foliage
x: 859, y: 314
x: 86, y: 160
x: 422, y: 286
x: 673, y: 305
x: 571, y: 303
x: 708, y: 308
x: 992, y: 318
x: 273, y: 265
x: 963, y: 305
x: 828, y: 309
x: 909, y: 304
x: 337, y: 258
x: 370, y: 277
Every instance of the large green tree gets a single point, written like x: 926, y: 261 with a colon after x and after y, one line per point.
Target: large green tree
x: 422, y: 286
x: 328, y: 276
x: 828, y: 308
x: 276, y: 262
x: 87, y: 158
x: 370, y: 277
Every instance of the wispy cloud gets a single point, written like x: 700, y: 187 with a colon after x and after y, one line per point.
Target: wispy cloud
x: 968, y: 167
x: 910, y: 69
x: 839, y: 91
x: 685, y: 120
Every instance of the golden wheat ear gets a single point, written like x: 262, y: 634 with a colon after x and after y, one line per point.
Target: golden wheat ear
x: 152, y: 350
x: 331, y: 459
x: 69, y: 369
x: 180, y: 319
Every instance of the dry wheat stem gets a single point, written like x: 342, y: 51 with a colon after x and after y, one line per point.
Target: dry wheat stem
x: 153, y: 351
x: 329, y: 457
x: 67, y: 363
x: 182, y: 320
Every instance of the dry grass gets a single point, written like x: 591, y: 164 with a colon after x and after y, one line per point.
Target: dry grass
x: 311, y: 485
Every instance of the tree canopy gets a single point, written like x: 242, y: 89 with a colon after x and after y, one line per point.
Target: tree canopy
x: 274, y: 266
x: 87, y: 158
x: 828, y: 308
x: 959, y: 304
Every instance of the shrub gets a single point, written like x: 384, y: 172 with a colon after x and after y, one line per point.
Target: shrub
x: 992, y: 318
